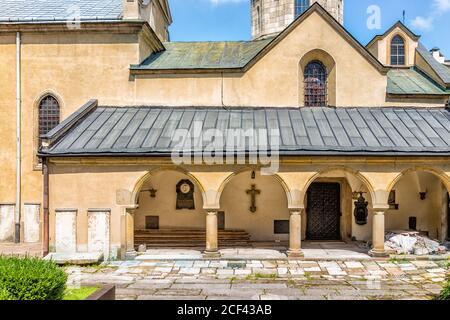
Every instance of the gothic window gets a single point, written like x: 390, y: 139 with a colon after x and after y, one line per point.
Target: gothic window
x: 258, y: 20
x: 315, y: 84
x: 398, y: 51
x: 49, y: 115
x: 301, y: 6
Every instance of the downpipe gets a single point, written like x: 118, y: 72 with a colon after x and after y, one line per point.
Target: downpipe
x: 18, y: 141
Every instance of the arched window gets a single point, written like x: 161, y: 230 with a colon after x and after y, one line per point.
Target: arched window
x: 258, y: 20
x: 315, y: 84
x: 397, y: 51
x: 49, y: 115
x: 301, y: 6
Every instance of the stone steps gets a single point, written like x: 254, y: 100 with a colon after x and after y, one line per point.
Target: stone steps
x: 189, y: 238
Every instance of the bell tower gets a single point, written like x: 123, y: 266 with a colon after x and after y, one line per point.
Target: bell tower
x: 273, y: 16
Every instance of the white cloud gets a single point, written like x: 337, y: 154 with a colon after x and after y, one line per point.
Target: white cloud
x: 423, y: 24
x: 441, y: 6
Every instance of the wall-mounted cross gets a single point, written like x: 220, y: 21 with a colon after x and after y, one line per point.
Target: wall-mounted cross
x: 253, y: 192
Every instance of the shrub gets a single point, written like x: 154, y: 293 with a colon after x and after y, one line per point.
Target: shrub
x: 31, y: 279
x: 445, y: 294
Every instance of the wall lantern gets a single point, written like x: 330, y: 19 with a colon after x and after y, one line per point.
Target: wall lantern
x: 361, y: 212
x: 423, y: 195
x: 153, y: 192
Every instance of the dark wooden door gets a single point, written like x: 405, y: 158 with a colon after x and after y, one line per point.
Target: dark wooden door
x: 323, y: 211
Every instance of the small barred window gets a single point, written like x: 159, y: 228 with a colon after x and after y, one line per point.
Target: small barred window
x: 315, y: 84
x: 49, y: 115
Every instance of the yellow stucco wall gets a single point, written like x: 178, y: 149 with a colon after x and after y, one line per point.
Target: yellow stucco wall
x: 109, y: 184
x: 79, y: 66
x: 7, y: 121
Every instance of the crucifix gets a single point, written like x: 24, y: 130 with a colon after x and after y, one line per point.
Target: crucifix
x: 253, y: 192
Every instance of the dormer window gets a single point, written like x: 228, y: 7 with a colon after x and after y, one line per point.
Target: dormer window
x: 398, y: 51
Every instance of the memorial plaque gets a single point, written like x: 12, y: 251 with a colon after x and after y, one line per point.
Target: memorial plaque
x: 185, y: 195
x: 152, y: 222
x: 281, y: 227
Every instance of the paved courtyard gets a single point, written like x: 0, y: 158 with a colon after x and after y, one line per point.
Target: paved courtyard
x: 267, y: 279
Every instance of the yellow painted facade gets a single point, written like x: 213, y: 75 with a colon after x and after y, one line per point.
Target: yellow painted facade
x: 75, y: 66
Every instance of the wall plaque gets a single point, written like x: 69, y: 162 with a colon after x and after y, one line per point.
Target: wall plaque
x: 185, y: 195
x: 281, y: 227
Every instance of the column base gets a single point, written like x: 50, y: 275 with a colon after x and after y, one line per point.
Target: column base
x: 378, y: 253
x: 211, y: 254
x: 295, y: 254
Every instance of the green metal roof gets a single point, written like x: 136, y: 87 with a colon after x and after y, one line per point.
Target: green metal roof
x: 410, y: 81
x: 203, y: 55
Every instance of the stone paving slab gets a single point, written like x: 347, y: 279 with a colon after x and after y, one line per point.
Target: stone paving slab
x: 267, y: 279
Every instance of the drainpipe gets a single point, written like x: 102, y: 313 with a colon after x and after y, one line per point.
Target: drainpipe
x: 45, y: 242
x: 18, y: 141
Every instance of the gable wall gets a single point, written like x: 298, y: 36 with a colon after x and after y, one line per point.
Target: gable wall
x: 381, y: 48
x: 275, y: 80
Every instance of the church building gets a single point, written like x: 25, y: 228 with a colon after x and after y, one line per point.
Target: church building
x: 115, y: 137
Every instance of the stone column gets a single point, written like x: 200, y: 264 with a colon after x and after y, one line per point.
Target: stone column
x: 212, y: 242
x: 295, y: 234
x: 129, y: 222
x: 66, y: 231
x: 378, y: 231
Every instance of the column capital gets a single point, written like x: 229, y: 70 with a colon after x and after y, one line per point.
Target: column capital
x: 296, y: 211
x: 212, y: 212
x: 380, y: 208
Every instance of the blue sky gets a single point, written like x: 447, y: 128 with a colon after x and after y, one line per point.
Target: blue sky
x: 203, y: 20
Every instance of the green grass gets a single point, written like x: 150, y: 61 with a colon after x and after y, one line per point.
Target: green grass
x: 79, y: 293
x: 445, y: 294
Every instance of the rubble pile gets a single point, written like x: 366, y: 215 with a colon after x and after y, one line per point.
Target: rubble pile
x: 412, y: 243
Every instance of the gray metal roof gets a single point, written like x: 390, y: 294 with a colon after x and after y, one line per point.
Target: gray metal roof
x: 59, y: 10
x: 441, y: 70
x: 303, y: 131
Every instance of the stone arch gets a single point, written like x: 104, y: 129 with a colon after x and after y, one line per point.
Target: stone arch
x: 351, y: 171
x: 272, y: 207
x: 140, y: 182
x: 348, y: 227
x: 249, y: 169
x: 330, y: 64
x: 430, y: 211
x: 445, y: 179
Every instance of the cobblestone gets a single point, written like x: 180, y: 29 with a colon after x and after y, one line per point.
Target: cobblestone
x: 260, y: 280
